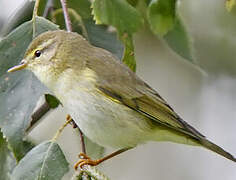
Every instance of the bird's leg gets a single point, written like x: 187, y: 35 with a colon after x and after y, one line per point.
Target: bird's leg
x: 86, y: 160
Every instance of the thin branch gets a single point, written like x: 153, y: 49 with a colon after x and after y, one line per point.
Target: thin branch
x: 35, y: 12
x: 49, y: 7
x: 66, y: 16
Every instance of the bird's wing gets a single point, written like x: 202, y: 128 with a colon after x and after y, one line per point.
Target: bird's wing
x: 151, y: 105
x: 119, y: 83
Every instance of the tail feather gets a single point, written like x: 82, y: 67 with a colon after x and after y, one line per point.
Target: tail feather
x: 213, y: 147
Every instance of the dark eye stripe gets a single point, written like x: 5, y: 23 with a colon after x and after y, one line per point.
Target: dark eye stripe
x: 37, y: 53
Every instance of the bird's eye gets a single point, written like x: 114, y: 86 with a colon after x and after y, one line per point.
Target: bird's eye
x: 37, y: 53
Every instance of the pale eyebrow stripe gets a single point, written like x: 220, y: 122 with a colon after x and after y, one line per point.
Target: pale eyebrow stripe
x: 45, y: 44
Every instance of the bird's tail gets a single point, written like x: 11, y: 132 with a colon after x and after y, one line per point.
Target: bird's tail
x: 213, y: 147
x: 196, y: 139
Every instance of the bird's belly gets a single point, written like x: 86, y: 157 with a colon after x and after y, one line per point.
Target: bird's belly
x: 106, y: 122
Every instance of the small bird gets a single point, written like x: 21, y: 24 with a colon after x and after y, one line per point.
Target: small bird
x: 110, y: 104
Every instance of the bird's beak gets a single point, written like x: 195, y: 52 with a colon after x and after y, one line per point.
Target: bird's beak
x: 22, y: 65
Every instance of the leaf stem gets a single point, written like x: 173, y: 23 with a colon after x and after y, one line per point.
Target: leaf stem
x: 35, y: 12
x: 66, y: 16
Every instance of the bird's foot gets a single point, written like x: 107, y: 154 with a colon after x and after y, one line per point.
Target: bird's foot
x: 86, y: 160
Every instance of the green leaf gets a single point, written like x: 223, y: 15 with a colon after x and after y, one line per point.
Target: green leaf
x: 117, y: 13
x: 52, y: 101
x: 7, y: 161
x: 179, y: 40
x: 164, y: 21
x: 230, y: 4
x: 19, y: 91
x: 161, y: 16
x: 128, y: 56
x: 44, y: 162
x: 83, y: 7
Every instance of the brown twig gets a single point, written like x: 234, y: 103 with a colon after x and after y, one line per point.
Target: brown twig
x: 66, y: 16
x: 82, y: 140
x: 38, y: 114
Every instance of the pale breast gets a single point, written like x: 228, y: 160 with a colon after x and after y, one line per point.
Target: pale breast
x: 104, y: 121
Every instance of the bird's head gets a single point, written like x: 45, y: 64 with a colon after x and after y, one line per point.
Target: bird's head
x: 52, y: 52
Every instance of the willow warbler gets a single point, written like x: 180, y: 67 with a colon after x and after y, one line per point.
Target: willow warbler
x: 111, y: 105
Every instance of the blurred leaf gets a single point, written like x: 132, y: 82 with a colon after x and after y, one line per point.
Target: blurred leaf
x: 132, y: 2
x: 117, y: 13
x: 42, y: 6
x: 52, y: 101
x: 101, y: 36
x: 164, y: 21
x: 179, y: 40
x: 7, y: 161
x: 45, y: 161
x: 82, y: 7
x: 230, y: 4
x: 78, y: 26
x: 128, y: 56
x: 161, y: 16
x: 19, y: 91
